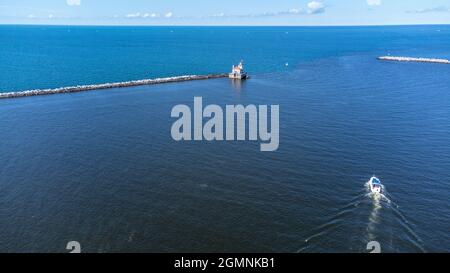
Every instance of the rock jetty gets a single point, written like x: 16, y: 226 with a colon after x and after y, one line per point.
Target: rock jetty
x: 81, y: 88
x: 410, y: 59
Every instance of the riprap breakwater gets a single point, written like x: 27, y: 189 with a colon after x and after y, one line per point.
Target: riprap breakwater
x: 81, y: 88
x: 411, y: 59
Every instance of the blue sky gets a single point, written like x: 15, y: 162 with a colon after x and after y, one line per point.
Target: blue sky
x: 229, y: 12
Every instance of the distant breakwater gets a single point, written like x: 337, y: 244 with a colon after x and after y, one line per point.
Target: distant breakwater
x: 410, y: 59
x: 81, y: 88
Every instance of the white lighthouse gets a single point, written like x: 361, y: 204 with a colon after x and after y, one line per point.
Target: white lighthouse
x: 237, y: 72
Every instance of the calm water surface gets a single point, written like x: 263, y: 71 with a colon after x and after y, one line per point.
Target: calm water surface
x: 101, y: 167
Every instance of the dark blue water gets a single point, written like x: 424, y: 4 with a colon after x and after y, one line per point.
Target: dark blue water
x: 101, y: 167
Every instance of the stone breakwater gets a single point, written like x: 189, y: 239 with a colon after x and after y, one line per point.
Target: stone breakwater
x: 409, y: 59
x: 81, y: 88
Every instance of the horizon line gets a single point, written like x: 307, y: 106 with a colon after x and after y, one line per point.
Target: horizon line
x: 212, y: 25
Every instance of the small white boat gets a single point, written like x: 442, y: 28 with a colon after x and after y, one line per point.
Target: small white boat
x: 375, y: 185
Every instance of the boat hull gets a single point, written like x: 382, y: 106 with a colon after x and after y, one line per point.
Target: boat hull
x: 375, y: 187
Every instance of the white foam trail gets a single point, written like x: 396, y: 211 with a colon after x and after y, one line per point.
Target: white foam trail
x: 375, y: 215
x: 379, y: 201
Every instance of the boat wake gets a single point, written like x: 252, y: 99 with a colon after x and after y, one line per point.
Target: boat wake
x: 365, y: 218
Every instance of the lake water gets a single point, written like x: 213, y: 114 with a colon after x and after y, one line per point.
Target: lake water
x: 101, y: 167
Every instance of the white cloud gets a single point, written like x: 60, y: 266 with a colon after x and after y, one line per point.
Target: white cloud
x: 316, y: 7
x: 50, y: 16
x: 374, y: 2
x: 31, y: 16
x: 73, y: 2
x: 221, y: 14
x: 265, y: 14
x: 145, y: 15
x: 428, y: 10
x: 168, y: 15
x: 313, y: 7
x: 133, y: 15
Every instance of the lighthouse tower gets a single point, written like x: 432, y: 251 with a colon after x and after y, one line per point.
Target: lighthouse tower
x: 237, y: 72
